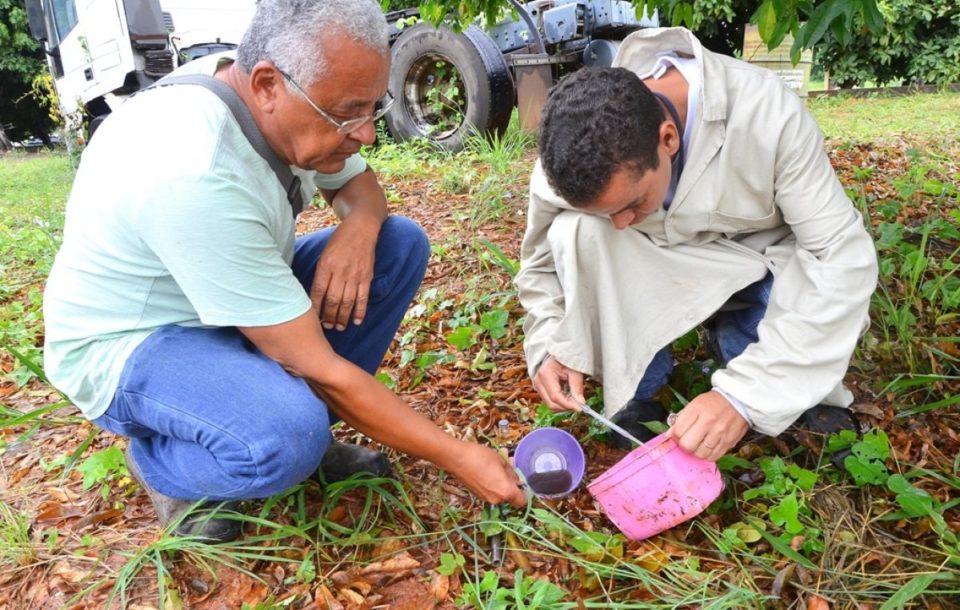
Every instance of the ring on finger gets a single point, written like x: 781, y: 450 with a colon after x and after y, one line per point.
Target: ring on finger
x: 704, y: 443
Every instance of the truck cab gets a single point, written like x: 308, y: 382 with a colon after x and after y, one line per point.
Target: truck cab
x: 100, y: 51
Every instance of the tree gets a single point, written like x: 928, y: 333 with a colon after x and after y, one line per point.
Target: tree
x: 809, y: 21
x: 21, y: 62
x: 919, y: 44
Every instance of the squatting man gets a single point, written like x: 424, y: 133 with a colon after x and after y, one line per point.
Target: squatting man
x: 678, y: 188
x: 183, y: 313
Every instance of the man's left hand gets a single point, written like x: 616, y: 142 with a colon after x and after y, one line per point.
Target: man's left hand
x: 708, y: 427
x: 341, y: 281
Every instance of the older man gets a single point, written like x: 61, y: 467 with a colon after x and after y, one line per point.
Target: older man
x: 683, y: 187
x: 182, y: 312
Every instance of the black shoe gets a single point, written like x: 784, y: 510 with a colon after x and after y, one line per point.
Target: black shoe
x: 632, y: 417
x: 825, y: 419
x: 201, y: 523
x: 343, y: 460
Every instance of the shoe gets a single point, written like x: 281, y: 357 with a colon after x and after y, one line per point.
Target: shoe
x: 632, y: 417
x: 201, y: 523
x: 343, y: 460
x: 825, y: 419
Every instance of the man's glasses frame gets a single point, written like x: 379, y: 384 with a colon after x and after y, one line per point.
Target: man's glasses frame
x: 350, y: 125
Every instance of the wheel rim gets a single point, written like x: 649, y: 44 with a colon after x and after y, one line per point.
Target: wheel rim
x: 433, y: 93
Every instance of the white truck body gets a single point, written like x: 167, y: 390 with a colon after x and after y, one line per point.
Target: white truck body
x: 100, y: 51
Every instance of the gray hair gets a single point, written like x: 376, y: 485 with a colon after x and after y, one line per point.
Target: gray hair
x: 288, y: 33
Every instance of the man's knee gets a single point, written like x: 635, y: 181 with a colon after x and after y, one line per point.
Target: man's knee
x: 293, y: 447
x: 578, y: 231
x: 407, y: 239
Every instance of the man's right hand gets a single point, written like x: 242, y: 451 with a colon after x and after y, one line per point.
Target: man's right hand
x: 550, y: 382
x: 488, y: 475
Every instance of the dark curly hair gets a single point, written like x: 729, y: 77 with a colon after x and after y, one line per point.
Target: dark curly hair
x: 596, y: 121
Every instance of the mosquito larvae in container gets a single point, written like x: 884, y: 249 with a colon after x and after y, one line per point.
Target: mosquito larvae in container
x: 550, y: 482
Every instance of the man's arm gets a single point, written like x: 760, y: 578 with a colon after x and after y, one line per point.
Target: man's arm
x: 367, y: 405
x: 541, y: 295
x: 819, y: 303
x: 341, y: 281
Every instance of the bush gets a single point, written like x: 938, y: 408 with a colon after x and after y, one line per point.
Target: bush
x: 918, y: 44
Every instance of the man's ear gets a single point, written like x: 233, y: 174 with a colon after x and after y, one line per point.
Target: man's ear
x: 266, y: 83
x: 669, y: 137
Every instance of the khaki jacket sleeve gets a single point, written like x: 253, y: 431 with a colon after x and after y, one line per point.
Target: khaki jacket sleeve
x: 819, y: 303
x: 538, y: 284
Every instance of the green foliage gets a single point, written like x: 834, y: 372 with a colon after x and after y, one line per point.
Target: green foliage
x: 786, y: 487
x: 21, y: 62
x: 810, y: 21
x: 450, y: 563
x: 867, y: 462
x: 527, y: 592
x: 16, y: 546
x: 32, y: 196
x: 917, y: 44
x: 103, y: 468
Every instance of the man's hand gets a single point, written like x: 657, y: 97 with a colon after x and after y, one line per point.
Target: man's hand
x: 489, y: 476
x: 550, y: 380
x: 708, y: 427
x: 341, y: 281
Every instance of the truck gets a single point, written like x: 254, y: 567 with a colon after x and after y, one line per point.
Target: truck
x: 447, y: 84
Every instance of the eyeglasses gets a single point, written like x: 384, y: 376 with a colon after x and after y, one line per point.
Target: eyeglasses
x: 350, y: 125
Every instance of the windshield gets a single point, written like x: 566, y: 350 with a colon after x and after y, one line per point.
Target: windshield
x: 64, y: 16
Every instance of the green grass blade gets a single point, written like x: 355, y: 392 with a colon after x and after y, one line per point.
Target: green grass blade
x: 34, y: 368
x: 940, y: 404
x: 917, y: 585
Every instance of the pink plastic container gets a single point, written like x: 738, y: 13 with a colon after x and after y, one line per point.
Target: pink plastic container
x: 655, y: 487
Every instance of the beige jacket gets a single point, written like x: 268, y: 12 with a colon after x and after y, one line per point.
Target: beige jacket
x: 757, y: 194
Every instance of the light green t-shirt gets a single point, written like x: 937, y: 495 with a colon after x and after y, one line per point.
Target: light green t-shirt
x: 173, y: 219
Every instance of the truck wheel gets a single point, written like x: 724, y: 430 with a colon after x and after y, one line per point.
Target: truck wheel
x: 448, y: 85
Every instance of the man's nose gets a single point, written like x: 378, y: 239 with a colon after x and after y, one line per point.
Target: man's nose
x: 621, y: 221
x: 365, y: 134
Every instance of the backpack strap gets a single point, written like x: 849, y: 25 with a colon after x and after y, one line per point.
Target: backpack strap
x: 290, y: 182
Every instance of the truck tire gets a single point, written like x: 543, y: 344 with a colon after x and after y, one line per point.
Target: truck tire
x: 447, y: 86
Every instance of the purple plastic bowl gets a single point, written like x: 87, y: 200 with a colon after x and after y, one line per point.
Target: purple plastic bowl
x: 548, y: 450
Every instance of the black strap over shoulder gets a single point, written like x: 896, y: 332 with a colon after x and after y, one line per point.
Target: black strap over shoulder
x: 290, y: 182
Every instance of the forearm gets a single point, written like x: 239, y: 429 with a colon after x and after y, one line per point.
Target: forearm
x: 351, y: 393
x: 537, y: 282
x: 361, y: 199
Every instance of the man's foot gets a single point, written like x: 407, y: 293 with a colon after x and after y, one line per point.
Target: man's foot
x: 824, y: 419
x: 201, y: 523
x: 343, y: 460
x: 632, y: 418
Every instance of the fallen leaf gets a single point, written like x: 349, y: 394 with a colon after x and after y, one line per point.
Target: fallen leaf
x: 68, y: 573
x: 783, y: 579
x: 97, y: 518
x: 815, y: 602
x: 440, y: 585
x: 350, y: 596
x: 516, y: 552
x: 867, y: 408
x: 400, y: 563
x: 325, y: 599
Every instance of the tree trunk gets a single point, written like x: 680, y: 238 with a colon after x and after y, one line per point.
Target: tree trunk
x: 5, y: 143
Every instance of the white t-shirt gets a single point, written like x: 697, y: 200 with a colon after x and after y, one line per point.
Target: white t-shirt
x: 173, y: 219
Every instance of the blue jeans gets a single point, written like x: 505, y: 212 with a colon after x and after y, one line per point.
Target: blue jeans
x: 210, y: 416
x: 734, y: 330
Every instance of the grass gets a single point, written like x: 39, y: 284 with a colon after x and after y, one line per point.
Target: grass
x: 930, y: 117
x: 789, y: 529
